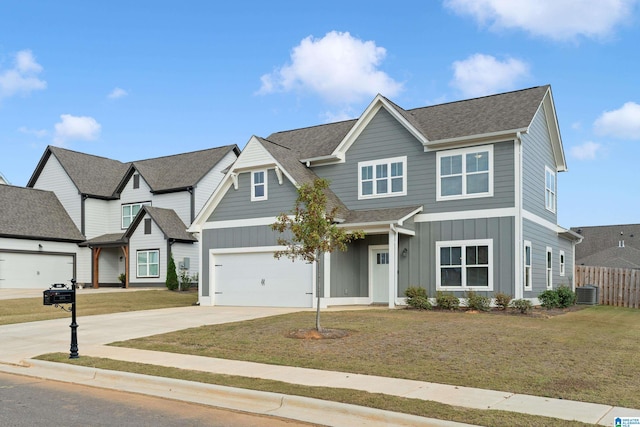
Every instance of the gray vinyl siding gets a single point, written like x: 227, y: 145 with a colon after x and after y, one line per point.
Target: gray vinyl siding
x: 385, y: 138
x: 537, y: 153
x: 237, y: 204
x: 541, y: 237
x: 418, y: 268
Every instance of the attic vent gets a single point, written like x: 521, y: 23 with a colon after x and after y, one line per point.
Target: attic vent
x: 587, y: 295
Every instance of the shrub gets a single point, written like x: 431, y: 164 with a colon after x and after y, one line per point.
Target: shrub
x: 172, y: 276
x: 417, y: 298
x: 447, y: 301
x: 549, y: 299
x: 523, y: 305
x: 502, y: 300
x: 185, y: 281
x: 566, y: 297
x: 478, y: 302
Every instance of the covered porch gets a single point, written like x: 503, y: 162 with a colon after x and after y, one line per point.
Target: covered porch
x: 109, y: 259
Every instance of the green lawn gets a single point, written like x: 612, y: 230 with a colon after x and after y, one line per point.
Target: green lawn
x: 588, y: 355
x: 31, y: 309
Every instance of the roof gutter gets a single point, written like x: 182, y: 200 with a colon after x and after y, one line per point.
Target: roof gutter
x: 474, y: 139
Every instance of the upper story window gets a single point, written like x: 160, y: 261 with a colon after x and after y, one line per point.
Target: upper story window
x: 550, y: 189
x: 259, y: 185
x: 466, y: 264
x: 382, y: 178
x: 466, y: 172
x: 130, y: 211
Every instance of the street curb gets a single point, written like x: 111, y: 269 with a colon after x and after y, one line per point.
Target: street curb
x: 258, y: 402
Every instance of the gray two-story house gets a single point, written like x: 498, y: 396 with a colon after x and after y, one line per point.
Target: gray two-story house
x: 454, y: 197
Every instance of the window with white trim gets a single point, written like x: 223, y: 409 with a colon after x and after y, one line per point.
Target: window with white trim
x: 549, y: 275
x: 527, y: 270
x: 258, y: 185
x: 463, y: 173
x: 148, y: 263
x: 549, y: 189
x: 561, y: 264
x: 464, y: 264
x: 129, y: 212
x: 382, y: 178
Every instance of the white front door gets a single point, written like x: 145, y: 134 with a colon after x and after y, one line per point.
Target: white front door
x: 379, y: 273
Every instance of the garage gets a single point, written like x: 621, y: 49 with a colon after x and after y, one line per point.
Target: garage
x: 35, y: 270
x: 258, y: 279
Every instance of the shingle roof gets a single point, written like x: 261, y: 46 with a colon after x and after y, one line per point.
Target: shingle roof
x: 615, y: 257
x: 35, y: 214
x: 112, y: 239
x: 167, y: 220
x: 598, y: 238
x: 390, y: 215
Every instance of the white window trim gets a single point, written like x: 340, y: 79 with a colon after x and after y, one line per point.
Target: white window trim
x: 553, y: 191
x: 561, y: 262
x: 548, y: 269
x: 463, y: 152
x: 141, y: 204
x: 138, y: 264
x: 253, y: 185
x: 388, y: 162
x: 527, y: 244
x: 464, y: 244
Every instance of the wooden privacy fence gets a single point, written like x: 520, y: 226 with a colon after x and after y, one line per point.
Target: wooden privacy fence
x: 616, y: 286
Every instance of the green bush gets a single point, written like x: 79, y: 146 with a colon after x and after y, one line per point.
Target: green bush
x: 549, y: 299
x: 447, y: 301
x: 417, y: 298
x: 478, y: 302
x: 502, y: 300
x: 566, y: 296
x: 172, y: 276
x: 522, y: 305
x: 185, y: 281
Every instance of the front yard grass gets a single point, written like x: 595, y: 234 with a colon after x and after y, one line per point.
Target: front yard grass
x: 588, y: 355
x: 31, y: 309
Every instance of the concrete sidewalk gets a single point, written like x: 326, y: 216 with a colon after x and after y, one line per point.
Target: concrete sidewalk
x: 24, y: 341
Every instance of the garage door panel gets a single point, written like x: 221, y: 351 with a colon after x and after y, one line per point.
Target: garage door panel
x: 32, y: 271
x: 258, y: 279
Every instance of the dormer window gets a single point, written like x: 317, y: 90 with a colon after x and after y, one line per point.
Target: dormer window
x: 258, y: 185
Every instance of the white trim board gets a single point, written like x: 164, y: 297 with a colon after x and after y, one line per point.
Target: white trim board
x: 474, y: 214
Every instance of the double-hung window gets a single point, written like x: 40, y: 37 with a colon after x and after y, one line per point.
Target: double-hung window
x: 148, y: 263
x: 549, y: 189
x: 527, y: 283
x: 549, y: 275
x: 466, y: 172
x: 130, y: 211
x: 466, y: 264
x: 258, y: 185
x: 561, y: 263
x: 382, y: 178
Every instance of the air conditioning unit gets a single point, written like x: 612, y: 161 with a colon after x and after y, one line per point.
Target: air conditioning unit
x: 587, y: 295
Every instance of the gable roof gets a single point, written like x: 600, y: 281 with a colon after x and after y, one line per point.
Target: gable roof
x: 35, y: 214
x: 613, y: 257
x: 598, y: 238
x: 101, y: 177
x: 167, y: 220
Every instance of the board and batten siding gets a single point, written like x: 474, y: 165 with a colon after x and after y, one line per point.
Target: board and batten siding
x: 237, y: 204
x: 385, y: 137
x: 54, y: 178
x: 537, y: 153
x: 207, y: 185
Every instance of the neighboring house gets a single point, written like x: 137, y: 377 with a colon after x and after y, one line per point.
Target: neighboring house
x: 38, y: 239
x: 616, y: 246
x: 454, y: 197
x: 3, y: 180
x: 133, y: 214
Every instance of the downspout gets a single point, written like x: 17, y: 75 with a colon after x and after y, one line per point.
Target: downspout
x: 83, y: 198
x: 191, y: 191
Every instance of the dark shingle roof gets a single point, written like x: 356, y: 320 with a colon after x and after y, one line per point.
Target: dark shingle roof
x: 35, y: 214
x: 615, y: 257
x: 598, y: 238
x: 167, y: 220
x: 389, y: 215
x: 313, y: 141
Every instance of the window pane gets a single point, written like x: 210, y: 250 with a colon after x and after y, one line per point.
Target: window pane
x: 367, y: 188
x: 471, y: 255
x: 153, y: 257
x: 478, y: 276
x: 153, y: 270
x: 478, y: 162
x: 483, y: 255
x: 135, y: 209
x: 451, y: 186
x: 478, y: 183
x: 451, y: 165
x: 451, y: 276
x: 445, y: 256
x: 396, y: 169
x: 396, y: 185
x: 456, y: 255
x: 258, y: 190
x: 142, y: 257
x: 381, y: 171
x: 367, y: 172
x: 258, y: 177
x: 126, y: 211
x: 527, y: 255
x: 548, y: 259
x: 381, y: 186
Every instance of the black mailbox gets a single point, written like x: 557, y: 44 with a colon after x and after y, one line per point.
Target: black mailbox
x: 58, y: 296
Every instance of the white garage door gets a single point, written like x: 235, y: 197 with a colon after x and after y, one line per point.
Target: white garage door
x: 32, y: 271
x: 258, y: 279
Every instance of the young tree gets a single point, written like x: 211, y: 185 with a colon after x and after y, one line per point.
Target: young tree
x: 313, y: 230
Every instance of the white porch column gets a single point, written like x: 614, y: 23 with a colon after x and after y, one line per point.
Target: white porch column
x: 393, y: 265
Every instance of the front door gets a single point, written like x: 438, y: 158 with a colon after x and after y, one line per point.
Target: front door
x: 379, y: 273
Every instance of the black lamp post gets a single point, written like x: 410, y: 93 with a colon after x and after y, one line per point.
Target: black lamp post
x: 74, y: 326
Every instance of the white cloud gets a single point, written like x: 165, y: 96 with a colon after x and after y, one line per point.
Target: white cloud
x: 481, y: 75
x: 76, y: 128
x: 38, y: 133
x: 117, y: 93
x: 622, y: 123
x: 22, y: 78
x: 338, y: 67
x: 554, y: 19
x: 586, y: 151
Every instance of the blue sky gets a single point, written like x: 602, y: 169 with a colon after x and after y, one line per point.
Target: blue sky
x: 131, y: 80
